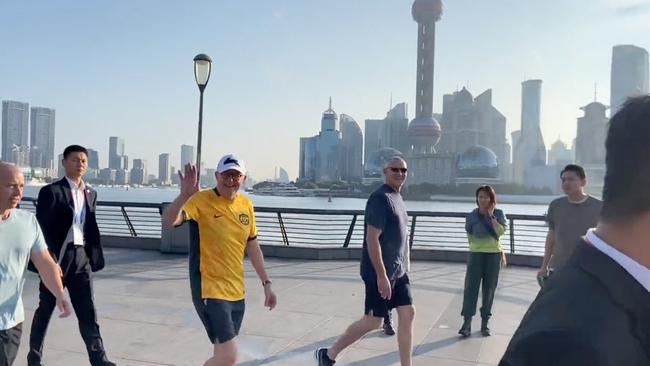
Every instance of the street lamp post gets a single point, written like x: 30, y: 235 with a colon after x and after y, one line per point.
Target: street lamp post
x: 202, y: 68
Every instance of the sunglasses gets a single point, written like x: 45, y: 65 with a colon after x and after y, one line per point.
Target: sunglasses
x: 397, y: 170
x: 233, y: 176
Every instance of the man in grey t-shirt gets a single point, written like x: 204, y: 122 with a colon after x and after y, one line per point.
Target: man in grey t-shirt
x: 383, y: 268
x: 568, y: 219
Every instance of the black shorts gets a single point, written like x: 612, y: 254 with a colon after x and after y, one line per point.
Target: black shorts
x: 222, y: 319
x: 378, y: 307
x: 9, y: 342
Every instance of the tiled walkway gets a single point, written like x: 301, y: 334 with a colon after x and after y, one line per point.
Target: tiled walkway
x: 147, y: 318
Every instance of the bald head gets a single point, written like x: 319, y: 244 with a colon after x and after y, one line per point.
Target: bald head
x: 12, y: 183
x: 8, y: 169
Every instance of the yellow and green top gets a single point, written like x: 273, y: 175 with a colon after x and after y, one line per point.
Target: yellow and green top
x: 224, y: 229
x: 483, y: 236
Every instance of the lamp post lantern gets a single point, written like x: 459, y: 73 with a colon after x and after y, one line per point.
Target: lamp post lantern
x: 202, y: 68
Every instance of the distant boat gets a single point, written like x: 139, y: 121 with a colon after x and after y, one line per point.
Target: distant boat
x: 281, y: 189
x: 35, y: 182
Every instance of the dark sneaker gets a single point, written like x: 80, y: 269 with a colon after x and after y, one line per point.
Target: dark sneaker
x: 485, y: 330
x: 322, y: 357
x: 466, y: 330
x: 388, y: 329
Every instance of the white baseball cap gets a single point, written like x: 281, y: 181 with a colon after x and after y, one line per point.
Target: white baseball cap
x: 231, y: 162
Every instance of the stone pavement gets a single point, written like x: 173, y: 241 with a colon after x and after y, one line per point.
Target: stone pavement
x: 147, y: 318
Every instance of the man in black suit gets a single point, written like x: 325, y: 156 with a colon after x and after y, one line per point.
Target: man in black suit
x: 596, y: 310
x: 66, y: 213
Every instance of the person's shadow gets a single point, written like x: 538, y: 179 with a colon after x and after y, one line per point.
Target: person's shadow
x: 380, y: 360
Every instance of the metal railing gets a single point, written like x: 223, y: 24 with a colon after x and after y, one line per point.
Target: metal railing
x: 134, y: 219
x: 328, y: 228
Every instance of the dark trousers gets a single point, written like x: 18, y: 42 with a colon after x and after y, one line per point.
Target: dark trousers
x: 77, y: 279
x: 9, y: 343
x: 481, y: 268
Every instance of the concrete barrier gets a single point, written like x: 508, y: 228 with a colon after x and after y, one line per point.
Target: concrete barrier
x: 177, y: 241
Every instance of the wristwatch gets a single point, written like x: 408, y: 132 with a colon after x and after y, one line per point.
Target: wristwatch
x: 266, y: 282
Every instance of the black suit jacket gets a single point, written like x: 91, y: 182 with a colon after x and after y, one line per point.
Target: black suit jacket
x: 591, y: 312
x: 55, y: 211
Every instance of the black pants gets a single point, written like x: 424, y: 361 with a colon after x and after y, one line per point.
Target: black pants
x: 77, y: 278
x: 9, y: 343
x: 481, y: 268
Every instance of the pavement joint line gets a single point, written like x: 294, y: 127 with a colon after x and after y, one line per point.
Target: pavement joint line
x: 299, y: 339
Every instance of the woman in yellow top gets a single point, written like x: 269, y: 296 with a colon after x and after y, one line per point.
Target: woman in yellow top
x: 484, y: 227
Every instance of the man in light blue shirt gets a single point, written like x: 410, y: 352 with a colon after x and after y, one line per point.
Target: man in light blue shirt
x: 21, y: 239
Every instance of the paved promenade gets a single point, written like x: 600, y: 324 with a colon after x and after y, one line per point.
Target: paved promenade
x: 147, y: 318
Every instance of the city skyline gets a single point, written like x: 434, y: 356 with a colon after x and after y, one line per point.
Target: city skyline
x: 121, y: 93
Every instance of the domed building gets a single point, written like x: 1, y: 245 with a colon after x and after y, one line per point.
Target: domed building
x: 424, y: 133
x: 375, y: 165
x: 478, y: 162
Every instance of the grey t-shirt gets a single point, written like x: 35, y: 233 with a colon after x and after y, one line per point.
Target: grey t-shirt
x: 385, y: 211
x: 570, y: 222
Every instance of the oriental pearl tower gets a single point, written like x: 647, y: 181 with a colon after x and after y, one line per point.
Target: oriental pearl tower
x: 424, y: 131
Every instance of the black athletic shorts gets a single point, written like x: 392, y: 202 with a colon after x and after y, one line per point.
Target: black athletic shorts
x: 222, y: 319
x: 9, y: 342
x: 378, y: 307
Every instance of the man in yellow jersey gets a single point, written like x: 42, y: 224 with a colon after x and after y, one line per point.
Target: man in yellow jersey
x: 222, y: 229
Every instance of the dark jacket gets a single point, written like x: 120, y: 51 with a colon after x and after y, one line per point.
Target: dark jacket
x: 55, y: 211
x: 591, y: 312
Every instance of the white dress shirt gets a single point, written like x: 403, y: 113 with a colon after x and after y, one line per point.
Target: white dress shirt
x: 76, y: 232
x: 635, y: 269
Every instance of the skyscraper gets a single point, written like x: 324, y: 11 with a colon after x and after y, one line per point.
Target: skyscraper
x: 629, y: 75
x: 42, y: 137
x: 93, y: 159
x: 591, y: 134
x: 15, y: 128
x: 394, y: 131
x: 372, y: 136
x: 529, y: 149
x: 139, y: 172
x: 424, y: 130
x: 391, y: 131
x: 351, y: 163
x: 164, y: 169
x: 187, y: 155
x: 468, y: 122
x: 282, y: 176
x: 329, y: 141
x: 308, y: 158
x: 115, y: 153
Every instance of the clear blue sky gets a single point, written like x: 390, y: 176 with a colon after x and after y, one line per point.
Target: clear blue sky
x: 124, y: 67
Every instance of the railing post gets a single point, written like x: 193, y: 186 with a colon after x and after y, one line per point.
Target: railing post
x: 128, y: 222
x: 285, y: 238
x: 512, y: 235
x: 350, y: 230
x: 412, y: 234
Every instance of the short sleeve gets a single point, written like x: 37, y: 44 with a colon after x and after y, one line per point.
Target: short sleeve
x: 190, y: 209
x: 39, y: 244
x: 550, y: 219
x: 253, y: 226
x: 377, y: 211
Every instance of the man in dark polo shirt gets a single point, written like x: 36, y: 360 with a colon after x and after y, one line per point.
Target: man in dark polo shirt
x: 383, y: 268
